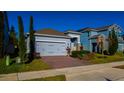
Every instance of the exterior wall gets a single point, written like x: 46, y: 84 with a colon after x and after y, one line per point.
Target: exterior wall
x: 75, y: 35
x: 105, y: 45
x: 78, y: 41
x: 121, y: 47
x: 106, y: 33
x: 53, y: 39
x: 93, y: 33
x: 27, y: 44
x: 84, y: 39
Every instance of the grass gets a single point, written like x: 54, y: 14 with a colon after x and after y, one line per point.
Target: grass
x: 53, y: 78
x: 95, y: 58
x: 35, y: 65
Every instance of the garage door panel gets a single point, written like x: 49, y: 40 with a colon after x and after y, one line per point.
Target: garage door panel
x: 51, y: 48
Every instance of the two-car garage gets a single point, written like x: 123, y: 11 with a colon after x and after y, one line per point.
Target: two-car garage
x: 51, y: 48
x: 50, y: 42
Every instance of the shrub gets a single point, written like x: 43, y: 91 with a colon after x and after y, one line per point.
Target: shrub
x: 79, y: 53
x: 120, y: 53
x: 76, y: 53
x: 85, y: 52
x: 105, y: 52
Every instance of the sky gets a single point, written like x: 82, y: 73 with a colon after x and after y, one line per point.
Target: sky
x: 66, y: 20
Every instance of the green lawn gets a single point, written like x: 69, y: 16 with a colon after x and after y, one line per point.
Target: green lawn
x: 53, y: 78
x: 35, y: 65
x: 95, y: 58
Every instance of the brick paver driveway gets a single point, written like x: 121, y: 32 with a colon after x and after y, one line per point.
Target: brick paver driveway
x: 63, y: 61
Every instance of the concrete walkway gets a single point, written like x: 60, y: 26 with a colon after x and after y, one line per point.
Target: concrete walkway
x: 98, y: 72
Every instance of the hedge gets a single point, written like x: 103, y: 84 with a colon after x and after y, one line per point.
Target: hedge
x: 79, y: 53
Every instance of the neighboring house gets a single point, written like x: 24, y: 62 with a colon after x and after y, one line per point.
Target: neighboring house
x: 91, y: 37
x: 49, y: 42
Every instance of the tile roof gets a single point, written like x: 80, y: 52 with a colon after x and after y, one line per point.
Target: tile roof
x: 103, y: 28
x: 88, y: 29
x: 50, y: 32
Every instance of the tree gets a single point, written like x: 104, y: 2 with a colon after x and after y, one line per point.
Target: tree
x: 13, y: 38
x: 113, y: 42
x: 6, y: 33
x: 32, y: 39
x: 22, y: 44
x: 110, y: 43
x: 1, y: 33
x: 13, y: 41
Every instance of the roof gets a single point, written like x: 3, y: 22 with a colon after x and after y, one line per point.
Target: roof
x: 73, y: 32
x: 88, y: 29
x: 94, y: 36
x: 103, y: 28
x: 50, y: 32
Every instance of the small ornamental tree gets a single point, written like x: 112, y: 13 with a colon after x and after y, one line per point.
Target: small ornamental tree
x: 113, y: 42
x: 110, y: 43
x: 1, y: 33
x: 32, y: 39
x: 22, y: 43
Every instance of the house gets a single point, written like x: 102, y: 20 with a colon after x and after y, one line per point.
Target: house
x: 49, y: 42
x: 91, y: 37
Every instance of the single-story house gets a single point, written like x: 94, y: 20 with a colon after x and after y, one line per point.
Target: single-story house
x: 49, y: 42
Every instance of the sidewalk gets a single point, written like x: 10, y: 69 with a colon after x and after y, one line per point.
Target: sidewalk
x: 91, y: 72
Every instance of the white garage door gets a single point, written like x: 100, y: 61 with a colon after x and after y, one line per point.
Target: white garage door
x: 51, y: 48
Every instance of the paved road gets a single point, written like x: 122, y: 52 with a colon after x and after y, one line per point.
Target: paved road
x: 98, y: 72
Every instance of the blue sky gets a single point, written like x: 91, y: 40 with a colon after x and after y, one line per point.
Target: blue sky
x: 63, y: 21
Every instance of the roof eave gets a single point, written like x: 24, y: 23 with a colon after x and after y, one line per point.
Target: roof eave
x: 36, y: 34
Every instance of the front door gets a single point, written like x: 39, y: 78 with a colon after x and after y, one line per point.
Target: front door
x: 94, y: 47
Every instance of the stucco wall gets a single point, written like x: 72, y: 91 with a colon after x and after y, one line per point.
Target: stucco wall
x: 85, y: 41
x: 106, y: 33
x: 75, y: 35
x: 93, y: 33
x: 120, y: 47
